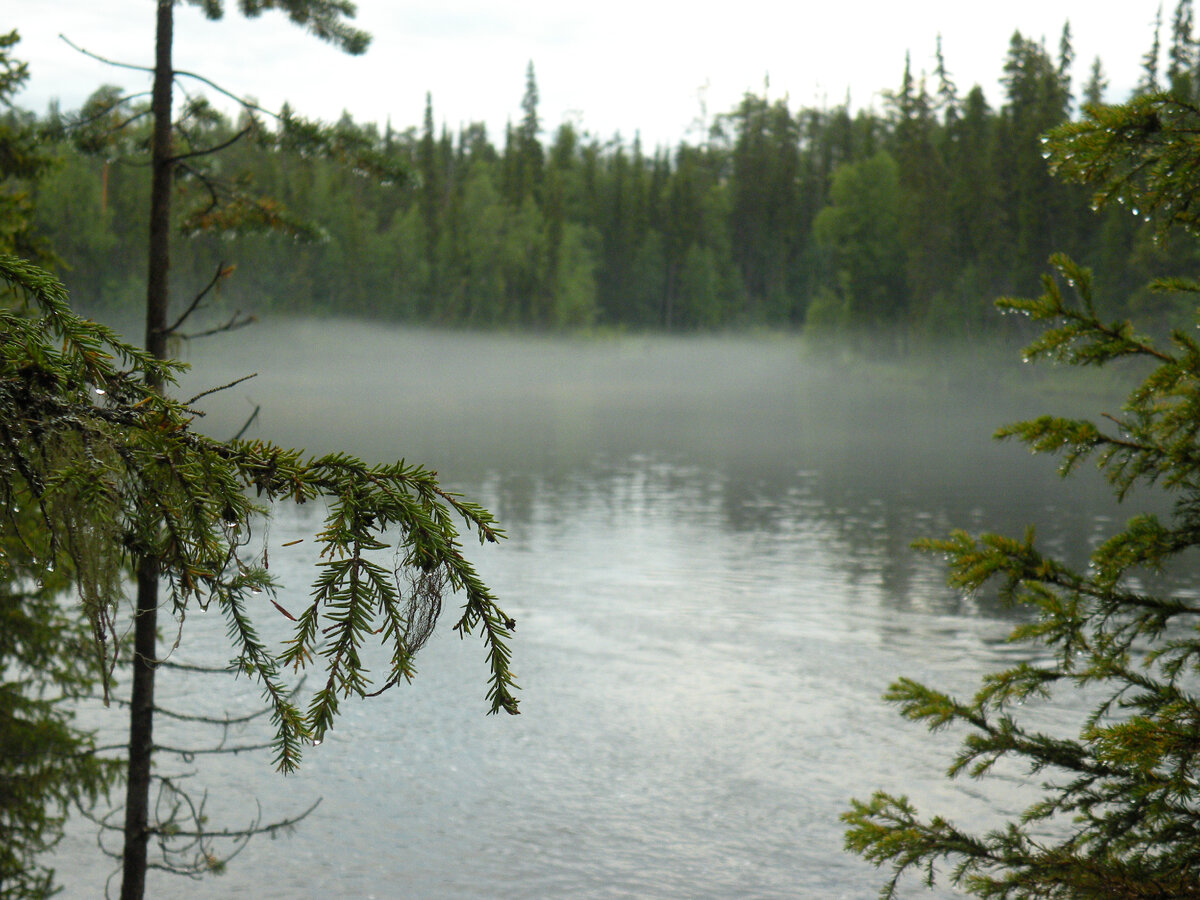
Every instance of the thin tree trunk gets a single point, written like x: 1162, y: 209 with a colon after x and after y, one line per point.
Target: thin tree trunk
x: 141, y: 714
x: 141, y: 734
x: 160, y: 189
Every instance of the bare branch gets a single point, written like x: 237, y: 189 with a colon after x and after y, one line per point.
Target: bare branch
x: 235, y: 322
x: 178, y: 73
x: 216, y: 390
x: 246, y: 425
x: 241, y: 101
x: 186, y: 667
x: 187, y: 753
x: 120, y: 101
x: 133, y: 118
x: 248, y: 832
x: 223, y: 271
x: 149, y: 70
x: 391, y: 683
x: 214, y: 199
x: 213, y: 720
x: 217, y: 148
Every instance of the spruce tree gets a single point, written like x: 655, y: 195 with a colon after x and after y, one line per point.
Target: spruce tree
x: 47, y: 764
x: 1117, y: 815
x: 326, y: 19
x: 1096, y: 84
x: 947, y: 92
x: 22, y: 161
x: 1181, y: 56
x: 169, y: 547
x: 109, y: 472
x: 1149, y: 82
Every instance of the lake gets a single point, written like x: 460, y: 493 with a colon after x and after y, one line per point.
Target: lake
x: 708, y: 561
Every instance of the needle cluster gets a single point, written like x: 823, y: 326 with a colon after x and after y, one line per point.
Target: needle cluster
x: 1118, y: 814
x: 116, y: 471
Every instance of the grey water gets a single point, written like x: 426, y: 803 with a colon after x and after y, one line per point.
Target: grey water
x: 708, y: 560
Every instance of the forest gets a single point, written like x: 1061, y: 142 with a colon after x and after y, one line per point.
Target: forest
x: 903, y: 223
x: 908, y: 221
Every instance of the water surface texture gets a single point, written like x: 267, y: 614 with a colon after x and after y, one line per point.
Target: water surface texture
x: 708, y: 562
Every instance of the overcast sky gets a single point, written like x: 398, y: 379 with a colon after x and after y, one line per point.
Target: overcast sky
x: 613, y: 66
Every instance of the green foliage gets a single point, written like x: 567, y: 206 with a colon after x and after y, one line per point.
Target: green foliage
x: 1140, y: 155
x: 718, y: 231
x: 860, y: 234
x: 571, y: 230
x: 765, y: 204
x: 229, y: 184
x: 45, y: 655
x: 114, y: 471
x: 1117, y: 814
x: 47, y: 764
x: 22, y: 161
x: 324, y: 18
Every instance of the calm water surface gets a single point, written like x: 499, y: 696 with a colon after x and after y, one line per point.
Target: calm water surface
x: 708, y: 562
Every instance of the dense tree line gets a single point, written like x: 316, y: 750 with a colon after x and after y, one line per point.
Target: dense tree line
x: 909, y: 219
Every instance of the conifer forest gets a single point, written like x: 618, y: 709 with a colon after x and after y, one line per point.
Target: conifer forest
x: 711, y: 412
x: 766, y: 221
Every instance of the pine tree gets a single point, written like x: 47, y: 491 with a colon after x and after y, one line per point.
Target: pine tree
x: 525, y: 156
x: 764, y: 205
x: 22, y: 161
x: 1117, y: 815
x: 48, y: 763
x: 947, y: 92
x: 1036, y: 208
x: 1066, y: 58
x: 1096, y: 85
x: 1149, y: 82
x: 1181, y: 55
x: 111, y: 473
x: 178, y: 147
x: 925, y: 225
x: 429, y: 201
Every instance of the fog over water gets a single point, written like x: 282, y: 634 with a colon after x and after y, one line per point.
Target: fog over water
x: 487, y: 403
x: 708, y: 560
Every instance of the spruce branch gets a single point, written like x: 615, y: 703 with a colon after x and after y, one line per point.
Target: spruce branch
x: 191, y: 511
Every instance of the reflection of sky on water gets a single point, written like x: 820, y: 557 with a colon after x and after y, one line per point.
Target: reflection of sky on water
x: 710, y: 569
